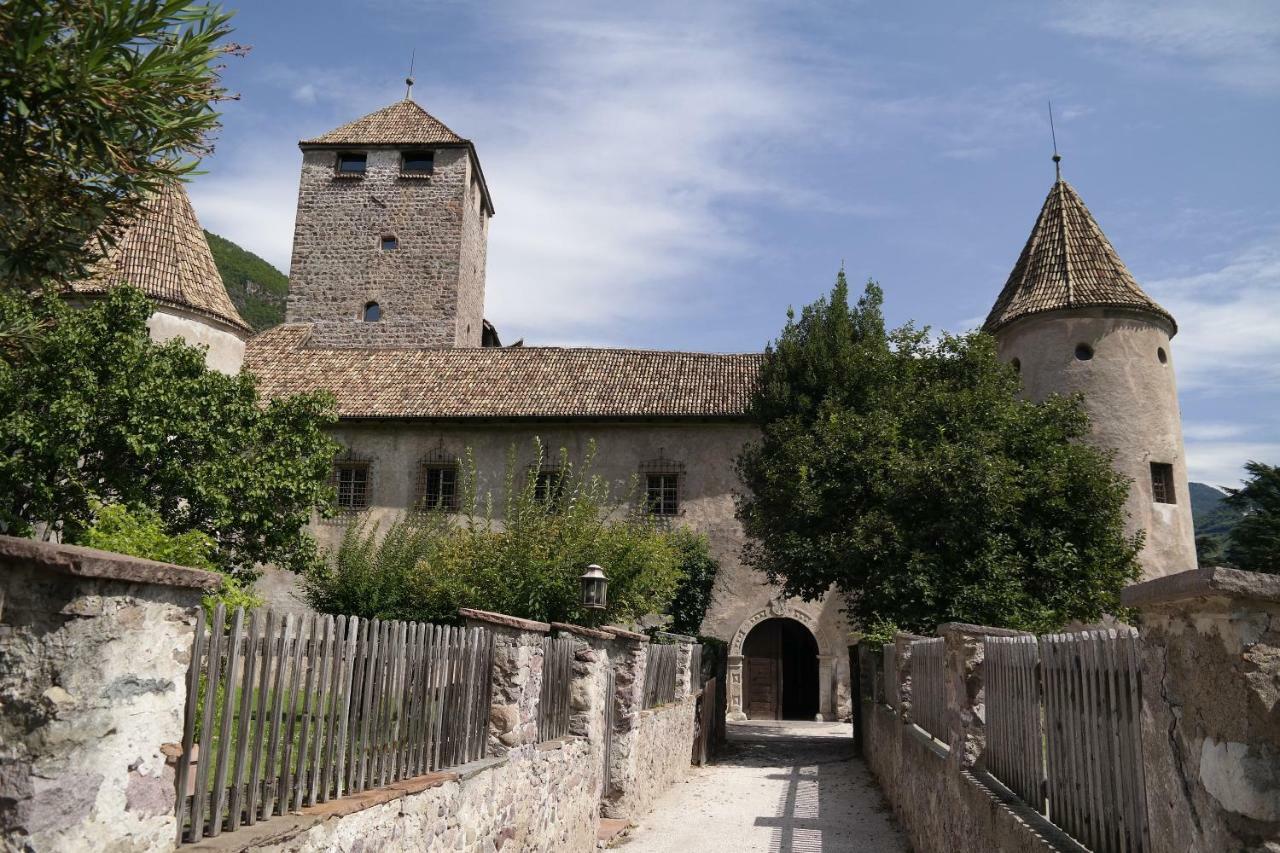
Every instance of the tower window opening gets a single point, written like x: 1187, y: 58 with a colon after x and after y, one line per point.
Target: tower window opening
x: 1162, y: 355
x: 372, y: 312
x: 352, y: 163
x: 1084, y: 352
x: 417, y: 163
x: 1162, y: 491
x: 390, y: 243
x: 1016, y: 365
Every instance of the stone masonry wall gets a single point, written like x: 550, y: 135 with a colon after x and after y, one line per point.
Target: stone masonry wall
x: 662, y: 752
x: 535, y: 800
x: 94, y: 650
x: 339, y: 265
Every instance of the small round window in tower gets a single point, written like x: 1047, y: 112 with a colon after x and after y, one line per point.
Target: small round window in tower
x: 1162, y: 355
x: 1084, y: 352
x: 372, y: 312
x: 1016, y: 364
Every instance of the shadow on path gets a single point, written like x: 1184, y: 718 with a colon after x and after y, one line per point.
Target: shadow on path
x: 781, y: 788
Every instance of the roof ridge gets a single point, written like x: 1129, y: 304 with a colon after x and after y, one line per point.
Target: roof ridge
x: 1066, y: 248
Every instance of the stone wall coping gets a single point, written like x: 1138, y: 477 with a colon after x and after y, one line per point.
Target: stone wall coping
x: 679, y: 638
x: 623, y: 633
x: 504, y: 620
x: 475, y: 768
x: 979, y: 630
x: 1200, y: 583
x: 582, y: 631
x: 908, y: 636
x: 78, y: 561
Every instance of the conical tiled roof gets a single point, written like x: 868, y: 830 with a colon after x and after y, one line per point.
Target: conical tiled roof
x: 1068, y: 263
x: 165, y: 254
x: 402, y: 123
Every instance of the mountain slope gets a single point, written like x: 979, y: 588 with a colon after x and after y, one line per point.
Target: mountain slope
x: 257, y: 288
x: 1211, y: 516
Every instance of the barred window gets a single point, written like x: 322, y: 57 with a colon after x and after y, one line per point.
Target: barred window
x: 437, y: 488
x: 662, y: 493
x: 1162, y: 491
x: 352, y: 481
x: 549, y: 486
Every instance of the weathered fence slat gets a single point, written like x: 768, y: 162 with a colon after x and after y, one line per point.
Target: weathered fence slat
x: 928, y: 687
x: 892, y: 695
x: 199, y: 803
x: 226, y: 713
x: 189, y: 720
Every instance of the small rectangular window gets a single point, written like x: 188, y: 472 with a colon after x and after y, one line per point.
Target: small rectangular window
x: 1162, y: 491
x: 548, y: 487
x: 352, y: 481
x: 662, y: 492
x: 351, y: 163
x: 437, y: 488
x: 417, y: 162
x: 390, y: 243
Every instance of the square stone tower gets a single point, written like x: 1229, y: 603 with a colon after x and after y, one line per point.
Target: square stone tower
x: 391, y: 234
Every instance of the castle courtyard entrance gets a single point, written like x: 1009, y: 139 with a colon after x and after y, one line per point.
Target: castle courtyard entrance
x: 780, y: 671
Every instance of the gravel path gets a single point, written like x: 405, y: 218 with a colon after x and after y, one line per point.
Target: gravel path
x: 780, y: 787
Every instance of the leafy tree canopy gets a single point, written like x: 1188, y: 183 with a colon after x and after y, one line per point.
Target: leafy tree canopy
x: 99, y: 414
x: 1255, y: 540
x: 99, y: 104
x: 906, y: 473
x: 524, y: 561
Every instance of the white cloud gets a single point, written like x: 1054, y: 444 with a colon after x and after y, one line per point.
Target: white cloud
x: 1221, y: 463
x: 1229, y: 335
x: 1233, y: 42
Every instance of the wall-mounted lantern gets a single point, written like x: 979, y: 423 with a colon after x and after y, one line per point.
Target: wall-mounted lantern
x: 595, y: 588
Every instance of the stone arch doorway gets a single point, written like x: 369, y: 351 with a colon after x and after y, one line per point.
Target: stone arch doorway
x: 780, y: 671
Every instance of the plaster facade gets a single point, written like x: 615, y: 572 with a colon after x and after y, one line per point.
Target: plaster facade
x: 224, y: 345
x: 1132, y: 399
x: 705, y: 452
x: 430, y: 287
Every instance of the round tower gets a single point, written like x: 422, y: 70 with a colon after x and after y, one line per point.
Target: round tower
x: 165, y: 254
x: 1071, y: 318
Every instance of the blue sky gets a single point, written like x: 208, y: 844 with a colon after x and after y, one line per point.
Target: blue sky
x: 674, y: 175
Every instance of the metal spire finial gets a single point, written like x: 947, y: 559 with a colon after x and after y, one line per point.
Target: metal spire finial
x: 1057, y: 158
x: 408, y: 81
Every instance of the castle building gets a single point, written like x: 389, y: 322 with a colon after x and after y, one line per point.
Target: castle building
x: 1072, y: 319
x: 165, y: 254
x: 385, y: 312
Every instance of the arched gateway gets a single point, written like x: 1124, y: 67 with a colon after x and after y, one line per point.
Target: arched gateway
x: 777, y: 669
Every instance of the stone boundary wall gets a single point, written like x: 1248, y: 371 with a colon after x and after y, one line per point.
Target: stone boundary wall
x: 662, y: 752
x: 94, y: 650
x: 530, y: 800
x: 1209, y: 665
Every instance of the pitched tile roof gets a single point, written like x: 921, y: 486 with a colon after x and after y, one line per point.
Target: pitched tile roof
x: 402, y: 123
x: 1068, y: 263
x: 165, y: 254
x: 513, y: 382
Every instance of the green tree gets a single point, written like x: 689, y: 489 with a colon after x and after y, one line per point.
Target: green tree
x: 1254, y: 543
x: 427, y: 565
x: 141, y: 533
x: 698, y: 575
x: 100, y: 103
x: 99, y: 414
x: 906, y: 473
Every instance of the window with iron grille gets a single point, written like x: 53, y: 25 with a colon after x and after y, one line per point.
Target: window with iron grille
x: 1162, y: 491
x: 437, y: 488
x: 662, y: 493
x: 549, y: 486
x: 352, y: 482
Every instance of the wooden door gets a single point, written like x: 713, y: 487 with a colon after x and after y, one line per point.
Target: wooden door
x: 763, y: 671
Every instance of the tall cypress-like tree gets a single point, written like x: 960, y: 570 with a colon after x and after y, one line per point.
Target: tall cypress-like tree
x: 1255, y: 540
x: 906, y: 472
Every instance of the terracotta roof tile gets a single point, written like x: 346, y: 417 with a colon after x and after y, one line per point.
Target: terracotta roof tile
x: 165, y: 254
x: 1068, y: 263
x: 402, y: 123
x: 513, y: 382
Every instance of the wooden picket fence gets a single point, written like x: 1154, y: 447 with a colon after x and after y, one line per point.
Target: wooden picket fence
x: 660, y: 675
x: 928, y: 686
x: 557, y: 677
x: 286, y: 712
x: 1015, y: 740
x: 1063, y: 732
